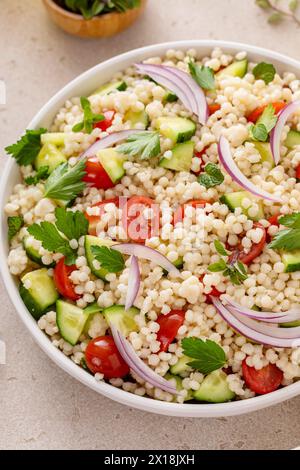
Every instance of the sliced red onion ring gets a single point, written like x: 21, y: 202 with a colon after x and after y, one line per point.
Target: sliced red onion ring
x: 108, y: 141
x: 274, y: 331
x: 236, y: 174
x: 256, y: 336
x: 267, y: 317
x: 138, y: 366
x: 133, y: 283
x: 276, y: 132
x: 145, y: 252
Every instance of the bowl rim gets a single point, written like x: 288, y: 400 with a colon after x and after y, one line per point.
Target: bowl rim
x: 64, y: 362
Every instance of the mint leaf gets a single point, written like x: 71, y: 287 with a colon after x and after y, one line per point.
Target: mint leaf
x: 208, y: 354
x: 110, y: 259
x: 258, y: 132
x: 15, y: 224
x: 65, y: 183
x: 217, y: 267
x: 220, y: 248
x: 72, y: 224
x: 268, y: 118
x: 41, y: 174
x: 89, y: 118
x: 213, y: 176
x: 204, y: 76
x: 145, y: 144
x: 233, y: 269
x: 26, y: 149
x: 264, y: 71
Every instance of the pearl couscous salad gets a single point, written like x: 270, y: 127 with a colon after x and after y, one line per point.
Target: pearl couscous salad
x: 155, y: 234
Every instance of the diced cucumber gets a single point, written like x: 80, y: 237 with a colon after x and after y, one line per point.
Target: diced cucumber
x: 70, y: 320
x: 54, y: 138
x: 49, y: 156
x: 291, y: 261
x: 135, y: 118
x: 170, y: 97
x: 234, y: 200
x: 181, y: 367
x: 181, y: 159
x: 176, y: 128
x: 122, y: 319
x: 179, y: 387
x: 293, y: 139
x: 33, y: 253
x: 112, y: 162
x: 109, y: 88
x: 236, y: 69
x: 214, y: 388
x: 95, y: 241
x: 41, y: 294
x: 264, y: 149
x: 93, y: 308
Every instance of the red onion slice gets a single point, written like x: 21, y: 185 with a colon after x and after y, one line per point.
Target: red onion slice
x: 236, y: 174
x: 133, y: 283
x: 138, y: 366
x: 108, y: 141
x: 274, y: 331
x: 145, y: 252
x: 276, y: 132
x: 237, y: 325
x: 267, y: 317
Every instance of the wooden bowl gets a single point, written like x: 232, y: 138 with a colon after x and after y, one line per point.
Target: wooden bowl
x: 100, y: 26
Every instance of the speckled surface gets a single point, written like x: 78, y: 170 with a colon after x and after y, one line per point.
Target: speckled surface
x: 40, y: 406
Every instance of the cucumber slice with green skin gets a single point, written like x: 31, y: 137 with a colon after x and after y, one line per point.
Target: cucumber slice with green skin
x: 112, y: 162
x: 176, y: 128
x: 33, y: 253
x: 179, y: 387
x: 122, y: 319
x: 95, y: 241
x: 181, y: 366
x: 70, y: 320
x: 110, y: 87
x: 137, y: 118
x: 41, y: 295
x: 234, y: 200
x: 291, y: 261
x: 293, y: 139
x: 264, y: 149
x: 214, y: 388
x: 170, y: 97
x: 49, y: 156
x: 54, y: 138
x: 93, y: 308
x: 181, y: 159
x: 236, y: 69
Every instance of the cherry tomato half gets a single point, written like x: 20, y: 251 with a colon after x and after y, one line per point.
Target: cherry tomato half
x: 213, y: 293
x: 107, y: 121
x: 137, y: 227
x: 265, y: 380
x: 96, y: 175
x: 212, y: 108
x: 255, y: 250
x: 103, y: 356
x: 298, y: 174
x: 277, y: 105
x: 180, y: 211
x: 62, y: 281
x: 94, y: 219
x: 169, y: 326
x: 274, y: 219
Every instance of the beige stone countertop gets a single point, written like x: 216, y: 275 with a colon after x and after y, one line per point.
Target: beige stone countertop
x: 41, y: 407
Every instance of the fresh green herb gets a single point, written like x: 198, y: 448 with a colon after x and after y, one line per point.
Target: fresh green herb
x: 72, y: 224
x: 265, y: 72
x: 277, y: 13
x: 89, y: 118
x: 41, y: 174
x: 90, y: 8
x: 27, y: 148
x: 145, y: 144
x: 265, y: 123
x: 208, y: 355
x: 258, y: 132
x: 213, y: 176
x: 65, y: 183
x: 204, y: 76
x: 15, y: 224
x: 288, y: 239
x: 110, y: 259
x: 233, y: 269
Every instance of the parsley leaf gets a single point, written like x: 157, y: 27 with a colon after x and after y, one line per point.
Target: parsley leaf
x: 265, y: 72
x: 213, y: 176
x: 89, y: 118
x: 26, y: 149
x: 288, y: 239
x: 72, y: 224
x: 208, y: 355
x: 204, y: 76
x: 110, y: 259
x: 41, y: 174
x: 291, y: 220
x: 234, y: 269
x: 65, y: 183
x: 145, y: 144
x: 14, y: 223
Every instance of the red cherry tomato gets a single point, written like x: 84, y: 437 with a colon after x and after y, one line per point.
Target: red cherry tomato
x: 213, y: 293
x: 212, y: 108
x: 96, y: 175
x: 137, y: 227
x: 277, y: 105
x: 265, y: 380
x: 102, y: 356
x: 169, y: 326
x: 298, y: 174
x: 274, y: 219
x: 180, y: 211
x: 256, y: 249
x: 202, y: 163
x: 62, y: 281
x: 107, y: 121
x: 94, y: 219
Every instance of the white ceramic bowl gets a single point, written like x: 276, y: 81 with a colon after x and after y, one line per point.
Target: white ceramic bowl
x: 83, y: 85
